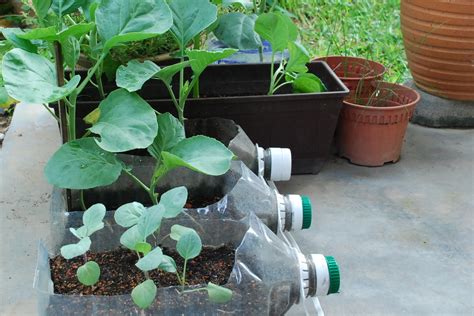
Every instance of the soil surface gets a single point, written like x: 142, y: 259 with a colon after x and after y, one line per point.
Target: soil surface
x: 119, y: 275
x: 202, y: 202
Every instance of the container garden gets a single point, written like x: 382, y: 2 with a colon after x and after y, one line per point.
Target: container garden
x: 358, y: 74
x: 438, y: 41
x: 371, y: 130
x: 264, y: 275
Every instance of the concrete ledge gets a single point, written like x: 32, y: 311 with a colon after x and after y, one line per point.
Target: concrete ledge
x: 433, y: 111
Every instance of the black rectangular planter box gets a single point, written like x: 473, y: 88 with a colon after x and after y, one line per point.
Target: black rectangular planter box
x: 305, y: 123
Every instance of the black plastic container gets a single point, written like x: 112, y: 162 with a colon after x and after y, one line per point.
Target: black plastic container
x: 305, y: 123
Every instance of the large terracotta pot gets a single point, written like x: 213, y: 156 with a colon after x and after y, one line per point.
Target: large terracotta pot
x: 371, y: 130
x: 439, y: 43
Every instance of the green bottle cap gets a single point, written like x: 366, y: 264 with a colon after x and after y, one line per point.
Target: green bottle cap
x: 307, y: 212
x: 334, y: 275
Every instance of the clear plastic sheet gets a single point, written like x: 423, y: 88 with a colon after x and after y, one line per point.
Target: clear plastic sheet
x: 265, y: 279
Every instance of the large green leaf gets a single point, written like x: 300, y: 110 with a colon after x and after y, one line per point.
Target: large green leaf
x: 299, y: 57
x: 82, y: 164
x: 173, y: 201
x: 126, y: 122
x: 63, y: 7
x: 41, y: 7
x: 218, y: 294
x: 190, y: 18
x: 89, y: 273
x: 93, y: 218
x: 167, y: 73
x: 277, y: 29
x: 308, y: 83
x: 237, y: 30
x: 170, y: 133
x: 32, y: 78
x: 50, y: 34
x: 200, y: 59
x: 151, y: 261
x: 12, y: 35
x: 199, y: 153
x: 128, y: 214
x: 75, y: 250
x: 189, y: 246
x: 135, y: 74
x: 120, y: 21
x: 144, y: 294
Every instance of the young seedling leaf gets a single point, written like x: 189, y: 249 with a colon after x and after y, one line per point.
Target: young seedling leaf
x: 151, y: 261
x: 32, y: 78
x: 218, y: 294
x: 89, y: 273
x: 170, y: 133
x: 299, y: 57
x: 190, y: 18
x: 49, y: 33
x: 277, y: 29
x: 82, y: 164
x: 200, y: 59
x: 177, y: 231
x: 167, y: 73
x: 92, y: 117
x: 12, y: 33
x: 41, y: 7
x: 189, y: 246
x: 128, y: 215
x: 144, y: 294
x: 80, y: 233
x: 168, y: 264
x: 75, y: 250
x: 308, y: 83
x: 71, y: 51
x: 120, y: 21
x: 236, y: 30
x: 131, y: 237
x: 173, y: 201
x: 63, y: 7
x: 199, y: 153
x: 150, y: 221
x: 126, y: 122
x: 143, y: 247
x: 134, y: 75
x: 93, y: 218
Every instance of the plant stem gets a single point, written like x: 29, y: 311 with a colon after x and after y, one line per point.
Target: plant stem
x: 83, y: 204
x: 173, y: 97
x: 272, y: 75
x: 197, y: 45
x: 153, y: 197
x: 90, y: 74
x: 184, y: 271
x: 51, y: 112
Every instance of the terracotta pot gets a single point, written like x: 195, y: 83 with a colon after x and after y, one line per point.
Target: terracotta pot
x: 371, y: 132
x: 439, y: 43
x: 358, y: 74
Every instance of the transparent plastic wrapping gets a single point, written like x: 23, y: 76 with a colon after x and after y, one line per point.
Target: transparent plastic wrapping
x: 265, y: 279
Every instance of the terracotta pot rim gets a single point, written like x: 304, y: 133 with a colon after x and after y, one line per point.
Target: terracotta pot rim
x: 388, y: 108
x: 355, y: 58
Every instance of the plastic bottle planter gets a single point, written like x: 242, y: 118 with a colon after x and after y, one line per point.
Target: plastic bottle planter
x: 239, y: 193
x: 305, y: 123
x: 267, y: 278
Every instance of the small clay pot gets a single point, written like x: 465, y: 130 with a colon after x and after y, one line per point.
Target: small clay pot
x: 358, y: 74
x: 371, y: 130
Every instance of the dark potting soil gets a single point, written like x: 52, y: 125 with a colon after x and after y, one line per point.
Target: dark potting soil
x: 202, y: 201
x: 119, y: 275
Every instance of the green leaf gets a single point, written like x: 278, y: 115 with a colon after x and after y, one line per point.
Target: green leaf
x: 144, y: 294
x: 299, y: 57
x: 170, y: 133
x: 41, y: 7
x: 200, y: 59
x: 126, y: 122
x: 82, y: 164
x: 4, y: 97
x: 71, y: 52
x: 120, y: 21
x: 177, y: 231
x: 150, y: 221
x: 236, y: 30
x: 80, y: 233
x: 199, y: 153
x: 128, y: 215
x: 246, y: 4
x: 168, y: 264
x: 151, y: 261
x: 75, y: 250
x: 308, y: 83
x: 31, y: 78
x: 11, y: 34
x: 143, y: 247
x: 93, y: 218
x: 166, y: 74
x: 190, y: 18
x: 189, y: 246
x: 89, y: 273
x: 173, y: 201
x: 277, y: 29
x: 92, y: 117
x: 131, y: 237
x: 63, y: 7
x: 133, y: 76
x: 49, y: 33
x: 89, y: 8
x: 218, y: 294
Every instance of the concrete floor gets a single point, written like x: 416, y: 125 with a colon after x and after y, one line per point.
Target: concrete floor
x: 403, y: 233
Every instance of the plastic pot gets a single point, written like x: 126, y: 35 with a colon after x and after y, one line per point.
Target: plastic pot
x: 268, y: 276
x: 371, y: 130
x: 358, y: 74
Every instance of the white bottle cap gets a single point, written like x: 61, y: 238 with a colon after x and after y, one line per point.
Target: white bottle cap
x: 281, y: 164
x: 297, y: 212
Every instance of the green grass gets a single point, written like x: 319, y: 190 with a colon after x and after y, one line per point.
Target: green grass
x: 363, y: 28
